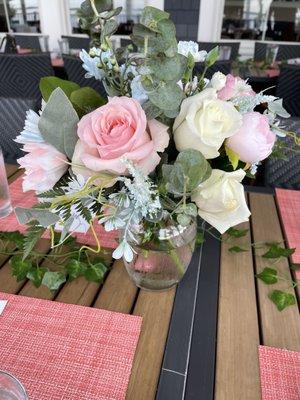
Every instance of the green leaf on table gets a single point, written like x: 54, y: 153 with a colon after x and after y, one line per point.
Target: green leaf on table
x: 275, y: 251
x: 233, y: 157
x: 75, y: 268
x: 86, y: 99
x: 268, y: 276
x: 151, y: 16
x: 212, y: 56
x: 295, y: 267
x: 20, y: 267
x: 237, y: 249
x: 33, y: 234
x: 96, y: 272
x: 36, y: 275
x: 58, y: 123
x: 16, y: 237
x: 237, y: 233
x: 44, y: 217
x: 53, y: 280
x: 282, y: 299
x: 49, y: 83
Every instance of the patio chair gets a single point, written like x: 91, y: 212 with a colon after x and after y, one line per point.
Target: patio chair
x: 285, y: 173
x: 78, y: 43
x: 260, y: 51
x: 222, y: 66
x: 28, y: 42
x: 20, y: 74
x: 76, y: 73
x: 235, y: 46
x: 288, y: 52
x: 288, y: 88
x: 12, y: 117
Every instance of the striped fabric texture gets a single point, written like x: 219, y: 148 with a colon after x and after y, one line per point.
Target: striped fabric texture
x: 67, y: 352
x: 28, y: 199
x: 279, y: 373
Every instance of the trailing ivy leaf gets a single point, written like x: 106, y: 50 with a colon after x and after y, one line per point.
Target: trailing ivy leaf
x: 212, y: 56
x: 49, y: 83
x: 275, y: 251
x: 295, y: 267
x: 237, y: 233
x: 96, y: 272
x: 58, y: 123
x: 75, y: 269
x: 16, y: 237
x: 237, y: 249
x: 282, y: 299
x: 233, y: 157
x: 151, y: 16
x: 20, y: 267
x: 268, y: 276
x: 86, y: 99
x: 33, y: 234
x: 53, y: 280
x: 36, y: 275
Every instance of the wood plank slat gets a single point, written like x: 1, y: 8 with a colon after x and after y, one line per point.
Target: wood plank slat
x: 279, y: 329
x: 237, y: 368
x: 11, y: 169
x: 156, y: 310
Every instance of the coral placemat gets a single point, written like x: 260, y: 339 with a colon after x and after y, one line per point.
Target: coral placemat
x: 28, y: 199
x: 62, y: 351
x: 279, y: 373
x: 289, y: 206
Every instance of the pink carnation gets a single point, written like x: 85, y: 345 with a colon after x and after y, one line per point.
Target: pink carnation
x: 235, y: 87
x: 114, y: 130
x: 44, y: 166
x: 254, y: 141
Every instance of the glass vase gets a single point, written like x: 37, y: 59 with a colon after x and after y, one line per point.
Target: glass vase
x: 162, y: 263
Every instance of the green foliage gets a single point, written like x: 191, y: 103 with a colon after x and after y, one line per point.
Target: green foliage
x: 49, y: 83
x: 36, y: 275
x: 33, y: 234
x: 237, y: 249
x: 43, y: 217
x: 212, y: 57
x: 58, y: 123
x: 151, y: 16
x: 86, y: 100
x: 200, y: 238
x: 20, y: 267
x: 96, y: 272
x: 282, y: 299
x: 53, y: 280
x: 275, y: 251
x: 233, y: 157
x: 16, y: 237
x: 237, y: 233
x: 189, y: 170
x: 268, y: 276
x: 75, y: 268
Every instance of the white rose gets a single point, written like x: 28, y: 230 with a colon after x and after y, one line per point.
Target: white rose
x: 218, y: 80
x: 185, y: 48
x: 204, y: 122
x: 221, y: 199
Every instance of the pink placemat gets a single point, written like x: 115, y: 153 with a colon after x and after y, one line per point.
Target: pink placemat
x: 289, y: 206
x: 28, y: 199
x: 62, y: 351
x: 279, y: 373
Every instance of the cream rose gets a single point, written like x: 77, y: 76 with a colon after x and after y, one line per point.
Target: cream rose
x: 221, y: 199
x: 204, y: 122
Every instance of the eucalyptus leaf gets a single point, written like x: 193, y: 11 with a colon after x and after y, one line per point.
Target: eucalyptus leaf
x: 45, y: 218
x: 110, y: 27
x: 168, y: 96
x: 151, y: 110
x: 112, y: 13
x: 58, y: 123
x: 151, y: 16
x: 168, y: 68
x: 49, y: 83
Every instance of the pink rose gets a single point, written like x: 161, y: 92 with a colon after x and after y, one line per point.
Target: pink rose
x: 254, y: 141
x: 114, y: 130
x: 44, y: 166
x: 235, y: 87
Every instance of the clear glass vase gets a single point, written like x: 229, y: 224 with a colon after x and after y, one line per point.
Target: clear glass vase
x: 162, y: 263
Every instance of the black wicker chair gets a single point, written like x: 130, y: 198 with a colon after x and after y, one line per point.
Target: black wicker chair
x: 76, y: 73
x: 260, y: 51
x: 285, y: 173
x: 235, y: 46
x: 288, y: 88
x: 12, y: 117
x: 288, y: 52
x: 28, y: 42
x: 78, y: 43
x: 20, y: 74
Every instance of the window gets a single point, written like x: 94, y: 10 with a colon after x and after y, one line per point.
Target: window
x: 19, y: 16
x: 277, y: 20
x: 74, y: 5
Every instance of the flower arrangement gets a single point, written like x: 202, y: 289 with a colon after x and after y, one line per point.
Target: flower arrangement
x: 167, y: 145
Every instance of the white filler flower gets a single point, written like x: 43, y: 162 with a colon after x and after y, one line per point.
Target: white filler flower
x: 186, y: 48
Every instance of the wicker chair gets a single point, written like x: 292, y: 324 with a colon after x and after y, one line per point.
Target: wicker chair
x: 288, y: 88
x: 285, y: 173
x: 75, y: 72
x: 20, y: 74
x: 78, y: 43
x: 12, y: 117
x: 222, y: 66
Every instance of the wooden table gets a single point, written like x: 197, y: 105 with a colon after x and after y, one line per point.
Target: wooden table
x: 199, y: 342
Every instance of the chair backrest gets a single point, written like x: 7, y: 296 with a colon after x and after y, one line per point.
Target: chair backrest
x: 288, y: 52
x: 20, y: 74
x: 285, y: 173
x: 222, y: 66
x: 235, y: 46
x: 28, y: 42
x: 78, y: 43
x: 260, y: 51
x: 12, y: 117
x: 288, y: 88
x: 76, y: 73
